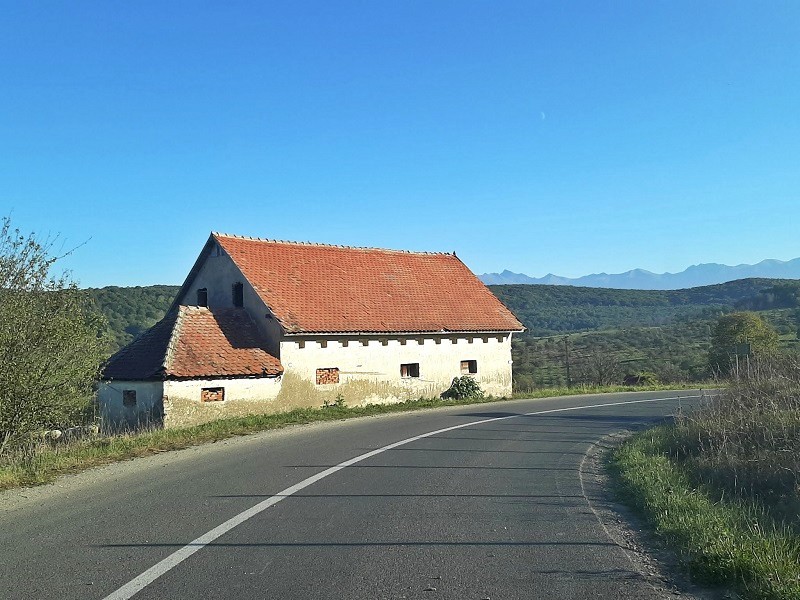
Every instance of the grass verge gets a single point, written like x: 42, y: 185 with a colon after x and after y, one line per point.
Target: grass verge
x: 43, y: 464
x: 722, y: 540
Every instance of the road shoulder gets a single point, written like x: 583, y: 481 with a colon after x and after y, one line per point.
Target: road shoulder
x: 659, y: 565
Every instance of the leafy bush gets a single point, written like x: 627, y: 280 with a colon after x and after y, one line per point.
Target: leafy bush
x: 50, y: 341
x: 463, y: 387
x: 738, y: 336
x: 646, y: 378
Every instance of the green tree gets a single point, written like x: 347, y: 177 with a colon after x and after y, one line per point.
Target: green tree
x: 738, y: 336
x: 50, y: 341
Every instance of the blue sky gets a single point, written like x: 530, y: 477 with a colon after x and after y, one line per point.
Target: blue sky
x: 564, y: 137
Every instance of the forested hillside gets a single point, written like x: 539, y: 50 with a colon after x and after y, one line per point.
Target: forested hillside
x: 603, y: 334
x: 552, y: 309
x: 132, y: 310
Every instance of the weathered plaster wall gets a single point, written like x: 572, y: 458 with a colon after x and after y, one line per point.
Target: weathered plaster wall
x: 369, y: 368
x: 114, y: 415
x: 243, y: 396
x: 369, y: 372
x: 217, y: 275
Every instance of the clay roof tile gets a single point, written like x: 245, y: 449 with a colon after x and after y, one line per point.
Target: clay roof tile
x: 317, y: 288
x: 195, y: 342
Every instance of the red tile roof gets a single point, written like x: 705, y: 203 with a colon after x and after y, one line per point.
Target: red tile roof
x: 145, y: 356
x: 315, y: 288
x: 195, y: 342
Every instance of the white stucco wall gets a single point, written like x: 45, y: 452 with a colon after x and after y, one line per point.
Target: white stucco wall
x: 178, y: 402
x: 243, y: 396
x: 217, y: 275
x: 114, y: 415
x: 369, y: 368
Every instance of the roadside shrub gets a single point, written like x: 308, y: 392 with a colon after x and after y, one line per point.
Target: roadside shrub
x: 746, y: 441
x: 50, y: 342
x: 463, y: 387
x: 641, y: 378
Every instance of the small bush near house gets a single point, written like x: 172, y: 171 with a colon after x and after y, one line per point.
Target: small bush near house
x: 463, y: 387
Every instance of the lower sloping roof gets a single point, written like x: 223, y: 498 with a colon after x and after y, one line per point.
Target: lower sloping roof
x: 194, y: 342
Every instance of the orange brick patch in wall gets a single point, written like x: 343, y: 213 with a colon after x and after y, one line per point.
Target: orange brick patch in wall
x: 212, y: 394
x: 326, y: 376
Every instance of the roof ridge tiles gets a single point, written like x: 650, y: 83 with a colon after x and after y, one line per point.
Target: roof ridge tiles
x: 173, y: 339
x: 322, y: 245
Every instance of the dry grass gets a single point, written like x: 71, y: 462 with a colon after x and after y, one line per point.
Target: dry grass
x: 722, y: 484
x: 745, y: 443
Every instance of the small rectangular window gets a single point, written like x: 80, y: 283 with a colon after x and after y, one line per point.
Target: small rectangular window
x: 409, y: 370
x: 215, y: 394
x: 238, y: 294
x: 327, y: 375
x: 128, y: 397
x: 202, y: 297
x: 469, y: 367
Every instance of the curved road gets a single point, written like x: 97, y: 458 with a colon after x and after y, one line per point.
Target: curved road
x: 476, y: 502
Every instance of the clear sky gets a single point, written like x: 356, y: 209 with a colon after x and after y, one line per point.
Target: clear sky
x: 564, y: 137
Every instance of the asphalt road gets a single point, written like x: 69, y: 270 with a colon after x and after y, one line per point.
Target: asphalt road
x: 494, y: 506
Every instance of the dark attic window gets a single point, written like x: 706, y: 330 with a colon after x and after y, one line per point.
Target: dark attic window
x: 409, y: 370
x: 238, y: 294
x: 469, y: 367
x: 128, y: 397
x: 202, y: 297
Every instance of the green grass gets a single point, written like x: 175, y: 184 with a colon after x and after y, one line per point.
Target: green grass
x: 722, y: 540
x: 43, y: 464
x: 577, y: 390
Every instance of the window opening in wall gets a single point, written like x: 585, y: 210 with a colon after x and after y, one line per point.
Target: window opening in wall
x: 409, y: 370
x: 469, y: 367
x: 327, y: 375
x: 238, y: 294
x: 128, y: 397
x: 215, y: 394
x: 202, y: 297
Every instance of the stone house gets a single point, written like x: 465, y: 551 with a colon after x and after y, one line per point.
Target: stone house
x: 263, y: 325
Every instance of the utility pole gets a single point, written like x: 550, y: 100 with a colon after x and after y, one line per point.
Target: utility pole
x: 566, y: 354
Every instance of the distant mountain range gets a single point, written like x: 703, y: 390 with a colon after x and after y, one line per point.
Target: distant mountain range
x: 639, y: 279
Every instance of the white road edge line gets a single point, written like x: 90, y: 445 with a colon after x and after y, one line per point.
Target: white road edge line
x: 138, y: 583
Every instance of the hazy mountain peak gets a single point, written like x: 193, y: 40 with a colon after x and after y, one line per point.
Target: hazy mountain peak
x: 642, y: 279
